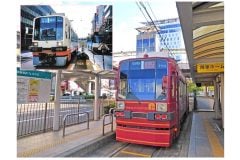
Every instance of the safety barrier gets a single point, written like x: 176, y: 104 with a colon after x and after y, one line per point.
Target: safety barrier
x: 33, y: 118
x: 79, y: 114
x: 110, y: 114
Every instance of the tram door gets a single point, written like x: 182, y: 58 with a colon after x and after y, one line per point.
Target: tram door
x: 174, y: 97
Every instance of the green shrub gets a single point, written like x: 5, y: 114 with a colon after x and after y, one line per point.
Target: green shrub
x: 107, y: 108
x: 89, y: 96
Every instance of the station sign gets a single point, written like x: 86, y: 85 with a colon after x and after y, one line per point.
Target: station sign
x: 210, y: 67
x: 33, y: 86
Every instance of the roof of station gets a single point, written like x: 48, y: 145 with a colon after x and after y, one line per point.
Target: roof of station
x: 87, y: 74
x: 203, y: 31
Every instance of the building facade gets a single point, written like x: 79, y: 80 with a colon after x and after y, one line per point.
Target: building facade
x: 101, y: 17
x: 167, y: 39
x: 28, y: 13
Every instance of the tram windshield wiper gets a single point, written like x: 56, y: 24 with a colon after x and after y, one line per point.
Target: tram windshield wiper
x: 131, y: 95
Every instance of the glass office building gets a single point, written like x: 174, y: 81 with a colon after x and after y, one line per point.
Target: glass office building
x: 28, y: 13
x: 170, y: 37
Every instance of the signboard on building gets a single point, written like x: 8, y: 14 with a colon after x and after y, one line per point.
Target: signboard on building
x: 33, y: 86
x: 210, y: 67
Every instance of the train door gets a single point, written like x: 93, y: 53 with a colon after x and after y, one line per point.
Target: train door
x: 174, y: 100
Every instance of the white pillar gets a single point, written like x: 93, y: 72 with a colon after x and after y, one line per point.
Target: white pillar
x: 57, y: 101
x: 222, y: 98
x: 216, y: 99
x: 89, y: 87
x: 96, y: 102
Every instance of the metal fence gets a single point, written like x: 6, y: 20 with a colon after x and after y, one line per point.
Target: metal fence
x: 38, y: 117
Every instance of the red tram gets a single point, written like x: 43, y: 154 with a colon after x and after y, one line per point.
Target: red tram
x: 151, y: 101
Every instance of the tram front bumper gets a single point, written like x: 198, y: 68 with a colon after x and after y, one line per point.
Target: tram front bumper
x: 52, y: 60
x: 144, y: 136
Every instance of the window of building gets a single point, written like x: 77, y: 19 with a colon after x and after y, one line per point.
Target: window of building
x: 139, y: 43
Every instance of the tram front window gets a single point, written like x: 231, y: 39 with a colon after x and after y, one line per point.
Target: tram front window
x: 48, y: 28
x: 142, y: 80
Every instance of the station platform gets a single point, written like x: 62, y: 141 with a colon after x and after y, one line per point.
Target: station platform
x: 206, y: 139
x: 53, y: 144
x: 207, y: 136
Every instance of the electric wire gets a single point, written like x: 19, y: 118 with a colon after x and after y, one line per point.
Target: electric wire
x: 154, y: 25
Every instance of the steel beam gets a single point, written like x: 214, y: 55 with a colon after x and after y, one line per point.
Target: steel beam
x: 209, y: 60
x: 209, y: 16
x: 185, y: 16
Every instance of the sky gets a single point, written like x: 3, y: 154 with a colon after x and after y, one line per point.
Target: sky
x: 126, y: 17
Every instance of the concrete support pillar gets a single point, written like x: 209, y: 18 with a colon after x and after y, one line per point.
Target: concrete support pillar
x: 222, y: 98
x: 101, y: 99
x: 89, y: 87
x: 96, y: 99
x: 216, y: 99
x: 57, y: 101
x: 206, y: 91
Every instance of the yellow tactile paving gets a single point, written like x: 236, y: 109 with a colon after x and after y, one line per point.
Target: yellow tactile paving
x: 135, y: 154
x: 217, y: 148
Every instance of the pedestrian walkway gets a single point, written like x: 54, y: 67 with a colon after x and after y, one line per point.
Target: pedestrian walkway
x: 53, y: 144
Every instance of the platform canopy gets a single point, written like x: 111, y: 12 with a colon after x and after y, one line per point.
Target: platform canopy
x: 203, y: 32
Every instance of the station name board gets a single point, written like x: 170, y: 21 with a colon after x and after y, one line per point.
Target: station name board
x: 210, y: 67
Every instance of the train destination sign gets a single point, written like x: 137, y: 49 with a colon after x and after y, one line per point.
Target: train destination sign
x: 210, y: 67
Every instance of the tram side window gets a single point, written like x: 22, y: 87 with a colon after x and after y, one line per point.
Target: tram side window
x: 181, y: 89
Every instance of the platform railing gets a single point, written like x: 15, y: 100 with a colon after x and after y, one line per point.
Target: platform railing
x: 74, y: 114
x: 110, y: 114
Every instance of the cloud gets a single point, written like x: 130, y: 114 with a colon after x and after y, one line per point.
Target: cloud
x: 81, y: 15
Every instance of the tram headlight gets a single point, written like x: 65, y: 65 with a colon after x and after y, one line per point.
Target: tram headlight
x: 162, y: 107
x: 59, y: 44
x: 35, y: 44
x: 120, y: 105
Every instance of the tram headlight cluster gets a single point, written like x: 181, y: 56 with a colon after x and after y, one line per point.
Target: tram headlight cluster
x: 162, y: 107
x: 120, y: 105
x: 35, y: 44
x: 59, y: 44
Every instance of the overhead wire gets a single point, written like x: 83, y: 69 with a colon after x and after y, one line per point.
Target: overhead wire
x: 161, y: 38
x: 142, y: 13
x: 155, y: 27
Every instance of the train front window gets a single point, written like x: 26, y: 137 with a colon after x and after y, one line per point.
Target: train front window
x: 48, y: 28
x: 142, y: 80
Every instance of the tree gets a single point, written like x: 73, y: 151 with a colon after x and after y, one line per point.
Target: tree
x: 193, y: 88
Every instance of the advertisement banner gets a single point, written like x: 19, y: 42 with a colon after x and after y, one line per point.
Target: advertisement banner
x: 33, y: 86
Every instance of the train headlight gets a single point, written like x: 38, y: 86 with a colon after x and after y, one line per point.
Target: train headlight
x: 162, y: 107
x: 35, y: 44
x: 59, y: 44
x: 120, y: 105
